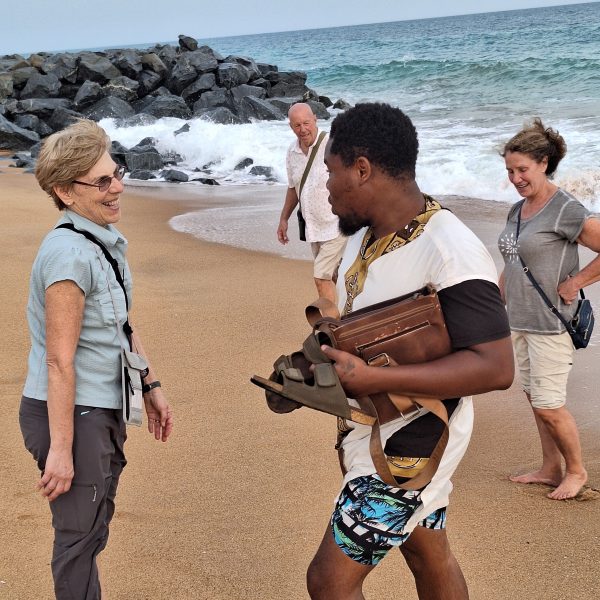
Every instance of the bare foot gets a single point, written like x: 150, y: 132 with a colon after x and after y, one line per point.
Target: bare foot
x: 569, y: 487
x: 540, y: 476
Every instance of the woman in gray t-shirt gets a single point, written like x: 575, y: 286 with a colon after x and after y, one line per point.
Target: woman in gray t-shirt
x: 544, y: 230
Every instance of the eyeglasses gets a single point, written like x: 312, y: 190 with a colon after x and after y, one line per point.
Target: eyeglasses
x: 104, y: 182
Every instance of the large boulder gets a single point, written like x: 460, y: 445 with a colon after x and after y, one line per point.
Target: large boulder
x: 41, y: 107
x: 221, y: 115
x: 13, y: 137
x: 265, y: 68
x: 123, y: 88
x: 109, y: 108
x: 261, y: 110
x: 149, y: 81
x: 249, y: 63
x: 10, y: 62
x: 41, y: 86
x: 129, y: 63
x: 118, y: 152
x: 187, y: 43
x: 96, y: 68
x: 34, y: 123
x: 203, y: 60
x: 286, y: 83
x: 30, y: 122
x: 174, y: 176
x: 169, y: 106
x: 63, y: 117
x: 153, y: 62
x: 182, y: 75
x: 168, y: 54
x: 6, y: 85
x: 63, y: 65
x: 262, y: 171
x: 142, y: 174
x: 21, y: 75
x: 261, y: 82
x: 37, y: 60
x: 319, y: 109
x: 232, y: 74
x: 89, y: 93
x: 214, y: 99
x: 241, y: 91
x: 193, y: 92
x: 284, y: 104
x: 143, y: 158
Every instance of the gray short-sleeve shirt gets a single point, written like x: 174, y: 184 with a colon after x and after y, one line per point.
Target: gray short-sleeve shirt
x: 547, y: 243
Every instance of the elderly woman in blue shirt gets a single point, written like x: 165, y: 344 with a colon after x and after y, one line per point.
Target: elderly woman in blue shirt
x: 71, y: 410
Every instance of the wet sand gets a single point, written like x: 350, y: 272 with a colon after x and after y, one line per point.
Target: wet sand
x: 235, y: 504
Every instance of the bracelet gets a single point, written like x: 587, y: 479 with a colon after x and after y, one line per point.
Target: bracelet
x: 150, y: 386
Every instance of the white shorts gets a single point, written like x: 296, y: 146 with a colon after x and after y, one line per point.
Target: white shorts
x: 544, y: 364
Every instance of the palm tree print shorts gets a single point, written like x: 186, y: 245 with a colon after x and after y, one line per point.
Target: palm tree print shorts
x: 370, y: 517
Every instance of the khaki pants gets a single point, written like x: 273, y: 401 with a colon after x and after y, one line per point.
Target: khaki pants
x: 80, y: 517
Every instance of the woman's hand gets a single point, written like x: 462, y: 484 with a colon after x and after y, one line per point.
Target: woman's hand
x: 352, y: 371
x: 58, y: 474
x: 160, y: 416
x: 568, y: 290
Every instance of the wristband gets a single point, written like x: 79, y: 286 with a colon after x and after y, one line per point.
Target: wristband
x: 150, y: 386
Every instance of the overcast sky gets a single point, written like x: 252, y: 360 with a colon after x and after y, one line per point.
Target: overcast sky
x: 35, y: 25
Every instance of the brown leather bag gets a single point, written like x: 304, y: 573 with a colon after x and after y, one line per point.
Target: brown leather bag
x: 405, y: 330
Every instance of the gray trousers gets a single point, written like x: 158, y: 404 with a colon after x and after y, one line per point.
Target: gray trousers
x: 80, y: 517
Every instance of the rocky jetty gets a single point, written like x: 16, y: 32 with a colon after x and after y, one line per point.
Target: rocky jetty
x: 45, y: 92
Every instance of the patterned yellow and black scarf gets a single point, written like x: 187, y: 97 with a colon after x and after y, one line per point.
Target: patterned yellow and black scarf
x: 370, y: 250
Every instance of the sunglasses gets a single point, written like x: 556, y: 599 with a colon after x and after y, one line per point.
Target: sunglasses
x: 104, y: 182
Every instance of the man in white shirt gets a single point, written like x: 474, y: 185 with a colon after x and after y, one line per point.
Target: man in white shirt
x: 327, y: 244
x: 401, y: 241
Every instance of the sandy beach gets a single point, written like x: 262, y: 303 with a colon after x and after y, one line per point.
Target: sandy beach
x: 235, y: 504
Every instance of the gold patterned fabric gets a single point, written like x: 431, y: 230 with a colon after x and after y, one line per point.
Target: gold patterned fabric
x: 370, y: 251
x: 403, y: 466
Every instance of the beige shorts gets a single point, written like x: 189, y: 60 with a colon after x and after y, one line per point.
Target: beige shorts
x: 544, y: 364
x: 327, y: 256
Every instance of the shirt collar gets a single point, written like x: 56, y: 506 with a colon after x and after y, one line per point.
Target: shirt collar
x: 297, y: 148
x: 108, y: 235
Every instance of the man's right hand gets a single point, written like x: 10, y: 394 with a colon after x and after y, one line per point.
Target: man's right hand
x: 282, y: 232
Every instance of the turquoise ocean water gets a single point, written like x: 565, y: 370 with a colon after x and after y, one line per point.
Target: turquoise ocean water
x: 468, y: 82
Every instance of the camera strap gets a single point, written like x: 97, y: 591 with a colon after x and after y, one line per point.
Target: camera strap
x: 127, y: 330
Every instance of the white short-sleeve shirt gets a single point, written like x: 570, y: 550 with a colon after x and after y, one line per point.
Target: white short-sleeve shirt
x: 445, y: 254
x: 321, y: 223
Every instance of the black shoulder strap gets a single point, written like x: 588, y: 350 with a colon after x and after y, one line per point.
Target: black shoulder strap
x: 111, y: 261
x: 310, y: 162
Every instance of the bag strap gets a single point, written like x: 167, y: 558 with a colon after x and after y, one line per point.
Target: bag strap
x: 322, y: 315
x: 310, y: 162
x: 536, y: 285
x: 127, y: 329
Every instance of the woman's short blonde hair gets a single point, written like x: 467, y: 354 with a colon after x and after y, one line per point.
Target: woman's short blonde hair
x: 68, y: 155
x: 538, y: 142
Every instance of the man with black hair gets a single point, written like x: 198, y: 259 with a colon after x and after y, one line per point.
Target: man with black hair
x: 401, y: 241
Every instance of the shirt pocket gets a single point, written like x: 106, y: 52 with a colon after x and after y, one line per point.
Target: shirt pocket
x: 110, y: 306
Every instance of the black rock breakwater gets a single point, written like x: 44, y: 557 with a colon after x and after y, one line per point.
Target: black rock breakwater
x: 45, y: 92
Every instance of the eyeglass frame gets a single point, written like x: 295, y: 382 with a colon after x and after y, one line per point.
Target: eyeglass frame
x: 118, y: 174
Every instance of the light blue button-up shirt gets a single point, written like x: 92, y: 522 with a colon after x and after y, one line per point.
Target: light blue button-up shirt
x: 67, y: 255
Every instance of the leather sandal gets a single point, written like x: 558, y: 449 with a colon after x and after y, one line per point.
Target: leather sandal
x: 276, y: 402
x: 292, y: 384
